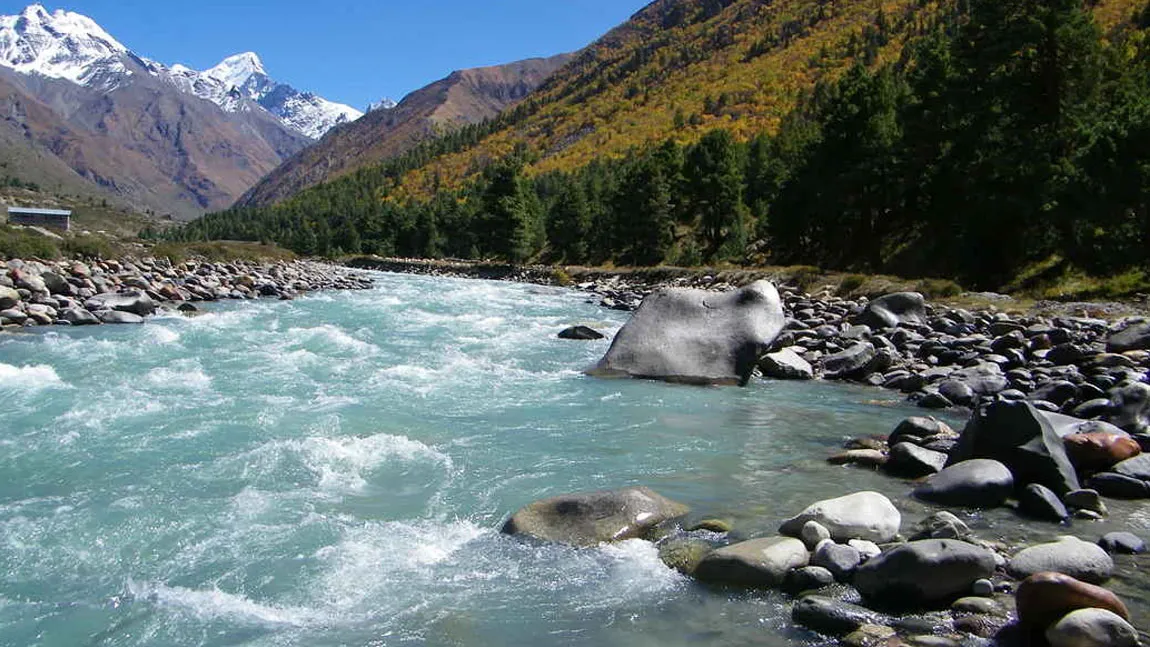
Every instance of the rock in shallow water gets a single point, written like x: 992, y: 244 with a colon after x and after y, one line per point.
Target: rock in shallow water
x: 1044, y: 598
x: 977, y: 483
x: 759, y: 563
x: 1092, y: 628
x: 587, y: 519
x: 786, y: 365
x: 862, y: 515
x: 695, y: 336
x: 1070, y: 556
x: 580, y: 333
x: 832, y: 617
x: 924, y: 573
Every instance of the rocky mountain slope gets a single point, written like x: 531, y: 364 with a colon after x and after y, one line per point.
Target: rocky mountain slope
x: 463, y: 97
x: 82, y: 111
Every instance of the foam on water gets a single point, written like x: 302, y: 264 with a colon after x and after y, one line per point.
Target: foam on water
x: 214, y: 604
x: 28, y: 378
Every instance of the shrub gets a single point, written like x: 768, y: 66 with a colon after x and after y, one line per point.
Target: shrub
x: 20, y: 243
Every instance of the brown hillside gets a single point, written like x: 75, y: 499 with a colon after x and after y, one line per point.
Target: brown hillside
x: 463, y: 97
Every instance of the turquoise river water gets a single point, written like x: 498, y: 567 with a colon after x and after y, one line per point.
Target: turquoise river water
x: 334, y: 470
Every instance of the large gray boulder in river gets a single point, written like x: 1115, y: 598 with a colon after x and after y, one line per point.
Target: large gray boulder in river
x: 696, y: 336
x: 588, y: 519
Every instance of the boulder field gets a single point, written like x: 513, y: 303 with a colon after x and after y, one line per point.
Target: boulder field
x: 943, y: 586
x: 125, y: 291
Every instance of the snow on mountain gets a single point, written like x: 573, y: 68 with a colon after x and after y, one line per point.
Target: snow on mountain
x: 66, y: 45
x: 382, y: 104
x: 60, y: 45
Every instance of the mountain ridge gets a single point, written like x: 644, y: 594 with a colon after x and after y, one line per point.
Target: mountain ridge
x: 463, y: 97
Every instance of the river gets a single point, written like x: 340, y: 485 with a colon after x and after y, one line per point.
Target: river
x: 334, y: 470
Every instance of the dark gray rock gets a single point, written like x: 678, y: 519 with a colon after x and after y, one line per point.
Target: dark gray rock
x: 1039, y: 502
x: 807, y: 578
x: 1058, y: 392
x: 840, y: 559
x: 1026, y: 440
x: 118, y: 317
x: 695, y: 336
x: 912, y: 461
x: 1070, y: 556
x: 786, y: 364
x: 976, y: 483
x: 580, y: 333
x: 849, y: 362
x: 1133, y: 337
x: 757, y: 563
x: 587, y: 519
x: 934, y: 400
x: 919, y: 427
x: 1119, y: 486
x: 79, y: 317
x: 957, y: 392
x: 1122, y: 543
x: 893, y: 310
x: 1137, y: 467
x: 925, y: 573
x: 832, y: 617
x: 1130, y: 409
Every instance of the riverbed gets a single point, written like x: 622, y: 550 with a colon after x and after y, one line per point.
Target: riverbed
x: 333, y: 470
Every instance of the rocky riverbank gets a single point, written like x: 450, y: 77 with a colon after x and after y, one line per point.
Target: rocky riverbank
x: 44, y: 293
x: 940, y: 356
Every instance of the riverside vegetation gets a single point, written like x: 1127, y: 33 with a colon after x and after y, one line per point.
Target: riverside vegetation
x: 1003, y: 138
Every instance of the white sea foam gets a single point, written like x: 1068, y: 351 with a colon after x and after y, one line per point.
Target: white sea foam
x: 214, y: 604
x: 29, y: 378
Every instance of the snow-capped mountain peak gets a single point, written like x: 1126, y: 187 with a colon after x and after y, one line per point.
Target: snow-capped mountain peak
x: 236, y: 71
x: 382, y: 104
x: 59, y: 45
x: 73, y: 47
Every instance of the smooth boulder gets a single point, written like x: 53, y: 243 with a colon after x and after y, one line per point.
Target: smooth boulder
x: 1133, y: 337
x: 1099, y: 451
x: 910, y: 460
x: 1039, y: 502
x: 757, y: 563
x: 1092, y: 628
x: 1044, y: 598
x: 832, y: 617
x: 923, y: 573
x: 580, y: 333
x: 786, y: 364
x: 893, y: 310
x: 1069, y: 555
x: 587, y: 519
x: 695, y: 336
x: 976, y: 483
x: 862, y: 515
x: 136, y: 302
x: 1130, y: 408
x: 848, y: 362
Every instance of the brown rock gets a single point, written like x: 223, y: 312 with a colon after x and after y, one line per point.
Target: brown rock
x: 1044, y: 598
x: 1099, y: 451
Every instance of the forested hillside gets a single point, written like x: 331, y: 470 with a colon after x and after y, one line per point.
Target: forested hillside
x: 964, y: 140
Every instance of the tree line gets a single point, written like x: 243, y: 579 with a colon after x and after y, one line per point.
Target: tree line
x: 1009, y: 131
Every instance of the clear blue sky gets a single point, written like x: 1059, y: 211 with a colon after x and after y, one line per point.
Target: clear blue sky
x: 352, y: 51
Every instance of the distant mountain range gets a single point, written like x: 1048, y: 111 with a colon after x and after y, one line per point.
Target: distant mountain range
x: 81, y: 113
x: 463, y: 97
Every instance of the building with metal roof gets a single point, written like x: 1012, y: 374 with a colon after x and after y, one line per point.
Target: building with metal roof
x: 29, y: 217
